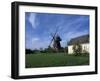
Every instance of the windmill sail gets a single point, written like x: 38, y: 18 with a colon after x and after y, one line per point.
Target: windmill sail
x: 53, y: 36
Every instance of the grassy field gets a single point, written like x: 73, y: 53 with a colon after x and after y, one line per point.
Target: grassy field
x: 56, y: 59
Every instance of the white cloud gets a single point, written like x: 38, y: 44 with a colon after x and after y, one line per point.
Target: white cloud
x: 32, y: 20
x: 35, y: 39
x: 39, y: 43
x: 73, y: 34
x: 76, y: 34
x: 69, y: 25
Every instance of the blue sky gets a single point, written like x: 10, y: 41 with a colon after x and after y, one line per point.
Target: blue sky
x: 39, y: 26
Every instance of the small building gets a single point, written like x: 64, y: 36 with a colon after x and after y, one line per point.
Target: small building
x: 82, y: 40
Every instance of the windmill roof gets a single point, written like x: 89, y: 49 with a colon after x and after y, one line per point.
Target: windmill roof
x: 81, y: 40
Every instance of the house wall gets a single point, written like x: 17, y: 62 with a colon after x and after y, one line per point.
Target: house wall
x: 70, y: 49
x: 85, y: 48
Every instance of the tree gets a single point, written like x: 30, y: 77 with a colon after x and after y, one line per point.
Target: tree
x: 66, y: 49
x: 77, y: 49
x: 29, y: 51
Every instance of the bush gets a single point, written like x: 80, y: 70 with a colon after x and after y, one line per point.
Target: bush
x: 28, y: 51
x: 77, y: 49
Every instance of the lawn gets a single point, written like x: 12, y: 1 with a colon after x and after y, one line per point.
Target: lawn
x: 55, y: 59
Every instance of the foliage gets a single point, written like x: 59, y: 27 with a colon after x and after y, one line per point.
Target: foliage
x: 46, y: 50
x: 77, y: 49
x: 28, y: 51
x: 66, y: 49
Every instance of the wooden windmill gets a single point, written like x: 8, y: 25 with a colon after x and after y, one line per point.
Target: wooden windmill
x: 55, y: 41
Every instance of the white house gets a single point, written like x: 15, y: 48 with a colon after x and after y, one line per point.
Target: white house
x: 82, y: 40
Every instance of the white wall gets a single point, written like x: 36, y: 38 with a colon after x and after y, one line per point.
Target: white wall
x: 5, y: 41
x: 70, y: 49
x: 84, y: 47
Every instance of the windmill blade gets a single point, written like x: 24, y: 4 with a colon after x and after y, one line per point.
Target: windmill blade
x: 53, y: 36
x: 57, y: 29
x: 51, y: 41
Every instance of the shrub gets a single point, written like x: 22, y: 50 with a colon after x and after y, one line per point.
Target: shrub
x: 77, y: 49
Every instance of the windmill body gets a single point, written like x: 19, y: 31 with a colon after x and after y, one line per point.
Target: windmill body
x: 55, y: 42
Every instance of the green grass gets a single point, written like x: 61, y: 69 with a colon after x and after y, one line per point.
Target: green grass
x: 55, y: 59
